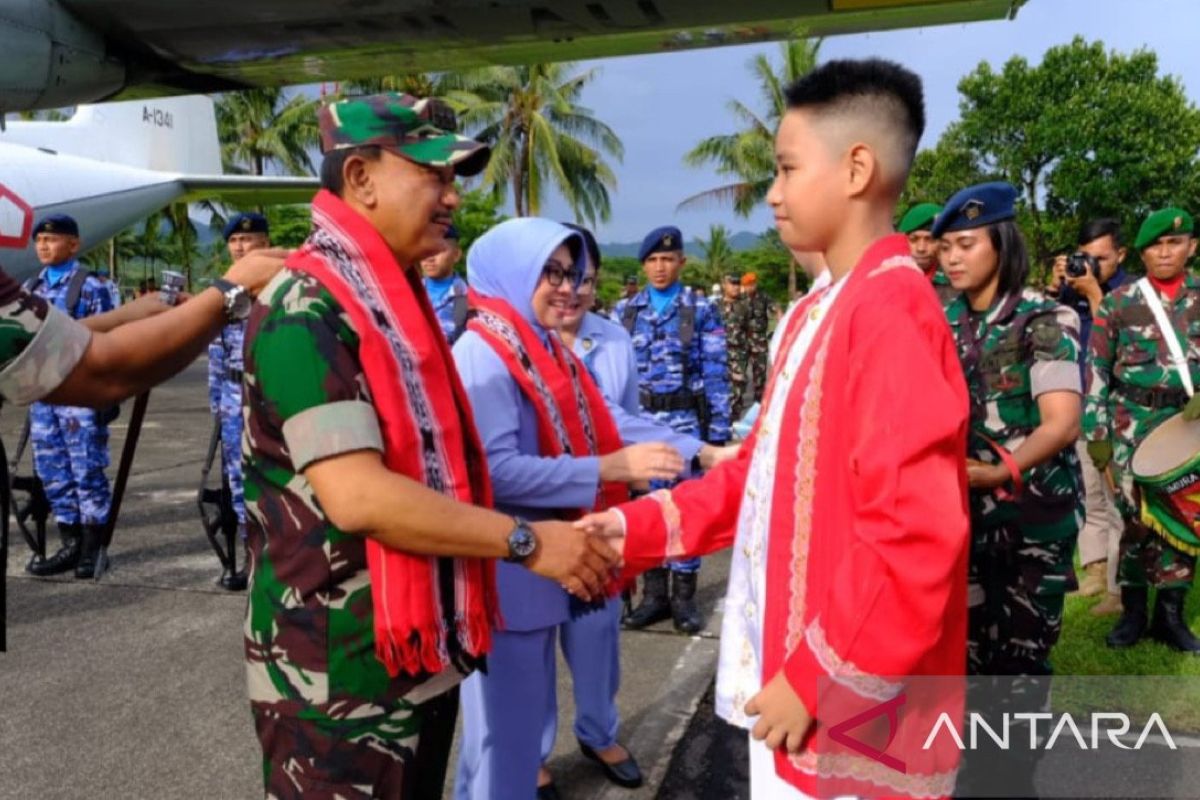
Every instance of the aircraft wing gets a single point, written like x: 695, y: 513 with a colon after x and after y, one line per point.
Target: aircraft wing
x: 63, y: 52
x: 243, y: 191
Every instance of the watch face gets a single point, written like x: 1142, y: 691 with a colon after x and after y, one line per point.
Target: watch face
x: 521, y: 543
x: 239, y: 308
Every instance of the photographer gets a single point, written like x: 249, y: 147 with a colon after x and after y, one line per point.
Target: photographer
x: 1081, y: 280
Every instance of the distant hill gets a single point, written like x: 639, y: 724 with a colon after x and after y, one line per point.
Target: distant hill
x: 742, y: 240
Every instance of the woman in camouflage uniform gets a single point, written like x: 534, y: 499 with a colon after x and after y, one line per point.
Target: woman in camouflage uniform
x: 1018, y: 351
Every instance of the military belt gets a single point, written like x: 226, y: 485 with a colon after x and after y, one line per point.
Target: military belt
x: 234, y: 375
x: 675, y: 401
x: 1154, y: 397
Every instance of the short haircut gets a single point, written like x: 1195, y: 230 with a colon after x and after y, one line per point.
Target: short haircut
x: 333, y: 166
x: 1098, y: 229
x: 589, y: 243
x: 879, y: 97
x: 1011, y: 254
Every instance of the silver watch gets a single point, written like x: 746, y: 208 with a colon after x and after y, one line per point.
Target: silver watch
x: 237, y: 300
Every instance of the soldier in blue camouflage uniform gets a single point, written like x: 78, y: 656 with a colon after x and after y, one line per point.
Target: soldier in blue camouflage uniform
x: 680, y: 345
x: 70, y: 444
x: 1018, y: 350
x: 446, y: 288
x: 243, y: 233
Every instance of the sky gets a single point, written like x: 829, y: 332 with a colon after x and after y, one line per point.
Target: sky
x: 662, y: 105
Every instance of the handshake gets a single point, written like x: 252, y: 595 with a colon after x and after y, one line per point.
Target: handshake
x: 585, y: 557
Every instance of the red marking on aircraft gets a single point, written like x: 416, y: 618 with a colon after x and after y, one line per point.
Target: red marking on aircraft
x: 16, y: 219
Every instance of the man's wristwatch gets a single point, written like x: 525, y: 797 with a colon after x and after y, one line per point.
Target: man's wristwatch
x: 237, y: 300
x: 522, y: 542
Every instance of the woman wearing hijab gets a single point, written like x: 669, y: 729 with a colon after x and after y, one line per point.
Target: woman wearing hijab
x: 553, y: 451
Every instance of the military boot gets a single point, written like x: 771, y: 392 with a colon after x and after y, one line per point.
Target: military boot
x: 64, y: 560
x: 683, y: 603
x: 1132, y: 624
x: 654, y: 606
x: 1168, y: 626
x: 92, y: 536
x: 1095, y: 579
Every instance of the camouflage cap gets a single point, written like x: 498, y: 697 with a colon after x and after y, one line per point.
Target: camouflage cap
x: 419, y: 129
x: 1164, y: 222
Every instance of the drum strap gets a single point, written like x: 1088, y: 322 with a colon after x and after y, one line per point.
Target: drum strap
x: 1168, y: 332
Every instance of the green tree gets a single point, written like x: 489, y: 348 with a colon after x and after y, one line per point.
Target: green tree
x: 718, y: 257
x: 261, y: 127
x: 478, y: 213
x: 940, y: 171
x: 290, y: 225
x: 774, y: 266
x: 746, y: 158
x: 1084, y: 133
x: 541, y: 137
x: 418, y: 84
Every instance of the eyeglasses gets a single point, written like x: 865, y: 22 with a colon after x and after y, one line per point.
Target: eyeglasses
x: 554, y: 275
x: 588, y: 284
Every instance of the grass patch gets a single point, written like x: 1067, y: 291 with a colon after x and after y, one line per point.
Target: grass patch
x: 1081, y: 651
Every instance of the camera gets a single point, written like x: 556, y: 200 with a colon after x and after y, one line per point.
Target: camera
x: 1079, y: 264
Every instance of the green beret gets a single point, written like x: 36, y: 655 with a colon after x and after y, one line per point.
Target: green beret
x: 1165, y: 222
x: 919, y: 218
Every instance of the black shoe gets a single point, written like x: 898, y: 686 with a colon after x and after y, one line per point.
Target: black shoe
x: 233, y: 581
x: 1168, y: 626
x: 623, y: 773
x: 548, y: 792
x: 1132, y: 624
x: 86, y: 568
x: 654, y: 606
x: 62, y: 561
x: 683, y: 603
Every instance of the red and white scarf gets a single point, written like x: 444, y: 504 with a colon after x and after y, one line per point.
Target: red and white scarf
x: 573, y: 418
x: 428, y: 436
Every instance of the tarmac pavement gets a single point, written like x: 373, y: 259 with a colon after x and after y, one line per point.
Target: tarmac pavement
x: 134, y: 687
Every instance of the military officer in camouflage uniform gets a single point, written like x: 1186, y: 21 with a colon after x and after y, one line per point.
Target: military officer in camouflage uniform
x: 331, y: 720
x: 1133, y: 388
x: 680, y: 346
x: 737, y: 355
x: 1018, y: 352
x: 917, y: 225
x: 759, y: 312
x: 243, y: 233
x: 70, y: 443
x: 446, y: 288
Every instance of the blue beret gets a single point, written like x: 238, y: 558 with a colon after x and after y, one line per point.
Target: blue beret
x: 975, y: 207
x: 666, y: 239
x: 56, y: 223
x: 452, y: 233
x: 246, y: 223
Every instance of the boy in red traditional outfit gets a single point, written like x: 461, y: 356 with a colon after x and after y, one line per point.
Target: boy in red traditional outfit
x: 846, y: 506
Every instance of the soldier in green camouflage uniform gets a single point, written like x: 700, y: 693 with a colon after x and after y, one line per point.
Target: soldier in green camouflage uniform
x: 1019, y: 355
x: 1133, y: 388
x: 737, y: 354
x: 760, y: 312
x: 917, y: 225
x: 331, y: 720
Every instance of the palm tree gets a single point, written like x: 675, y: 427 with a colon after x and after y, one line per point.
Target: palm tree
x: 539, y: 134
x: 260, y: 127
x: 418, y: 84
x: 718, y: 255
x: 748, y: 156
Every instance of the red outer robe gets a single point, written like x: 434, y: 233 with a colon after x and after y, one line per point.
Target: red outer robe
x: 867, y: 550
